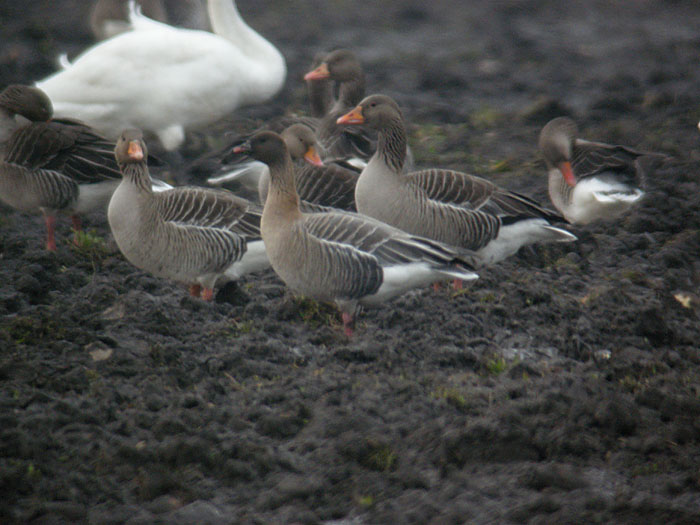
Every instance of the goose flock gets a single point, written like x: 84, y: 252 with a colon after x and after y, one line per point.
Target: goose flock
x: 338, y: 211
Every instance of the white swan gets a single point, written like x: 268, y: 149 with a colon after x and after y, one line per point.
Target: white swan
x: 166, y: 79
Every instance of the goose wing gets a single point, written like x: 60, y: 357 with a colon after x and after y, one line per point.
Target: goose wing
x: 387, y: 244
x: 329, y: 185
x: 66, y: 146
x: 208, y: 208
x: 590, y: 159
x: 475, y: 193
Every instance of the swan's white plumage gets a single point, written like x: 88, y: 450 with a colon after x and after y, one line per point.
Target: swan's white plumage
x: 166, y: 79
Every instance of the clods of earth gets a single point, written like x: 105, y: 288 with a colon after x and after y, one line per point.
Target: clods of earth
x: 563, y: 386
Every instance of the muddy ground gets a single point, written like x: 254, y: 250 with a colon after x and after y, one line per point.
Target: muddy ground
x: 562, y: 387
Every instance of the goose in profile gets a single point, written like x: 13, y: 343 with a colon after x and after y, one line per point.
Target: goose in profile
x: 195, y: 236
x: 330, y: 185
x: 589, y: 181
x: 52, y: 166
x: 342, y: 257
x: 448, y: 206
x: 182, y: 78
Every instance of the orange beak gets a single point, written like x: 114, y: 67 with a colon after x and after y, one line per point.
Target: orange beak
x: 319, y: 73
x: 352, y: 117
x: 312, y: 157
x: 567, y: 173
x: 135, y: 151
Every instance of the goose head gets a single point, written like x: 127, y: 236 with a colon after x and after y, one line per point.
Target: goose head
x: 265, y: 146
x: 375, y: 110
x: 557, y: 143
x: 301, y: 143
x: 30, y: 102
x: 341, y: 65
x: 131, y: 148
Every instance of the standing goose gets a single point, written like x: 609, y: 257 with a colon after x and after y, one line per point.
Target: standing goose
x: 342, y: 67
x: 342, y: 257
x: 589, y: 180
x: 182, y: 78
x: 448, y: 206
x: 192, y: 235
x: 53, y: 166
x: 331, y: 185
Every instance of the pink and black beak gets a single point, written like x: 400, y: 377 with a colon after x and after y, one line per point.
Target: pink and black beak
x: 320, y: 73
x: 567, y: 172
x: 353, y: 116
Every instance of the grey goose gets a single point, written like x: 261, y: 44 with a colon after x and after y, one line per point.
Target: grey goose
x: 339, y: 256
x: 589, y: 181
x: 196, y: 236
x: 329, y: 185
x: 448, y: 206
x: 53, y: 165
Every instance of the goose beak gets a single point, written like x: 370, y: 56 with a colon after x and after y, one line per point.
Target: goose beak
x: 312, y: 157
x: 242, y: 148
x: 567, y: 173
x: 319, y: 73
x: 352, y: 117
x: 134, y: 150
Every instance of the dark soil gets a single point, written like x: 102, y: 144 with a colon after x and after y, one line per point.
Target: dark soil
x: 562, y: 387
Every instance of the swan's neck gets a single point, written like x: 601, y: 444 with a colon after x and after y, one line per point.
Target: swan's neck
x: 226, y: 22
x: 391, y: 146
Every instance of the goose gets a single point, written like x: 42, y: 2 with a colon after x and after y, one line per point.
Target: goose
x: 589, y: 181
x: 338, y: 256
x: 448, y: 206
x: 329, y: 185
x: 55, y: 165
x: 182, y: 78
x: 192, y: 235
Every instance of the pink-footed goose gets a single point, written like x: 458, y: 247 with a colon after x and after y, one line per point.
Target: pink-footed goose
x: 448, y: 206
x: 192, y: 235
x: 589, y: 181
x: 342, y: 257
x: 52, y: 166
x: 331, y: 185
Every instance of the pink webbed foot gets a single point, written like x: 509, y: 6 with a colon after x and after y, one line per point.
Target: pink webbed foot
x: 195, y: 290
x: 208, y: 294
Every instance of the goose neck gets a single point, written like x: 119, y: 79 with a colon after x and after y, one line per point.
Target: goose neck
x: 391, y: 145
x: 282, y: 194
x: 137, y: 174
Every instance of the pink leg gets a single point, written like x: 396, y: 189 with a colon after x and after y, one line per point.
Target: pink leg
x: 436, y: 286
x: 50, y: 232
x: 208, y: 294
x: 348, y: 324
x: 77, y: 227
x: 195, y: 290
x: 457, y: 284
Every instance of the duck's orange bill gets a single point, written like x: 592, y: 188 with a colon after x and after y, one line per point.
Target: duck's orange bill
x: 567, y: 173
x: 312, y: 157
x: 319, y: 73
x: 352, y: 117
x: 134, y: 151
